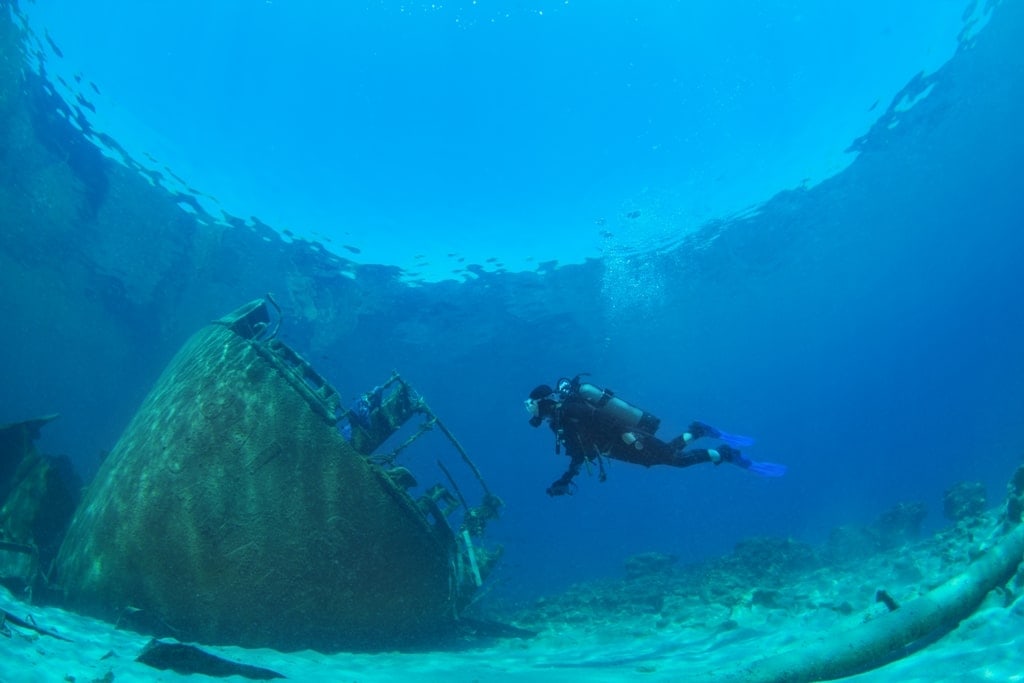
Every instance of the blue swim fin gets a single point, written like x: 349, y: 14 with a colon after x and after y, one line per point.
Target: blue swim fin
x: 737, y: 440
x: 699, y: 430
x: 727, y: 453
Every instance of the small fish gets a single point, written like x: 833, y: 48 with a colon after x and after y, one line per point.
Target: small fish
x: 53, y: 45
x: 85, y: 103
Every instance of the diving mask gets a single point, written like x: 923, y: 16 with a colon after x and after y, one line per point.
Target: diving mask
x: 531, y: 407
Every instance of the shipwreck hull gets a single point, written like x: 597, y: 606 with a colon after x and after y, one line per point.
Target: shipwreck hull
x: 232, y: 511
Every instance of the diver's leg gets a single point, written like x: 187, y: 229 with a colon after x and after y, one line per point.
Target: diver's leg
x: 701, y: 430
x: 717, y: 455
x: 647, y: 451
x: 692, y: 457
x: 657, y: 452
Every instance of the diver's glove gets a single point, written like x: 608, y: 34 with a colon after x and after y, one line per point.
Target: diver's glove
x: 559, y: 488
x: 727, y: 453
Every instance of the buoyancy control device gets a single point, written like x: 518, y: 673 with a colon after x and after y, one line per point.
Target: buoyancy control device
x: 605, y: 402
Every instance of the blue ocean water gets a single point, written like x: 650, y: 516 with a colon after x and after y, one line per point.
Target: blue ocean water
x: 863, y: 325
x: 458, y: 124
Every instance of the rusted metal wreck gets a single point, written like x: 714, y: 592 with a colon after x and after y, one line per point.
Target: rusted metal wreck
x: 243, y: 505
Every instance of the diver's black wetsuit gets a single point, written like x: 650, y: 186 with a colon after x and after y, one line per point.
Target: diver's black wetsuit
x: 586, y: 435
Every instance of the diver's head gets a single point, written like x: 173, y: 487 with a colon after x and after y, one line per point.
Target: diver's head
x: 539, y: 405
x: 541, y: 391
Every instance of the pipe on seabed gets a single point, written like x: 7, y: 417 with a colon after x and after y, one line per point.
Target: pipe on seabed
x: 854, y: 650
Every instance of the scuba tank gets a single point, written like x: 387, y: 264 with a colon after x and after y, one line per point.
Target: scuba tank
x: 606, y: 403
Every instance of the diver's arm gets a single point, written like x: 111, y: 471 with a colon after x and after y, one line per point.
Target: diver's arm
x: 560, y: 486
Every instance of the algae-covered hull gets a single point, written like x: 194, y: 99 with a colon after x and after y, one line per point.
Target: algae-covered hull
x: 232, y: 511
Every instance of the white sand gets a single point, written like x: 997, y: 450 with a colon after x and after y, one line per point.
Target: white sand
x: 587, y: 635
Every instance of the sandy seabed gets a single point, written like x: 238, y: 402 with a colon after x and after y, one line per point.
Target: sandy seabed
x: 661, y: 622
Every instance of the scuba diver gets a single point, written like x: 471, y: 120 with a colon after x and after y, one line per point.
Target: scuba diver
x: 593, y: 423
